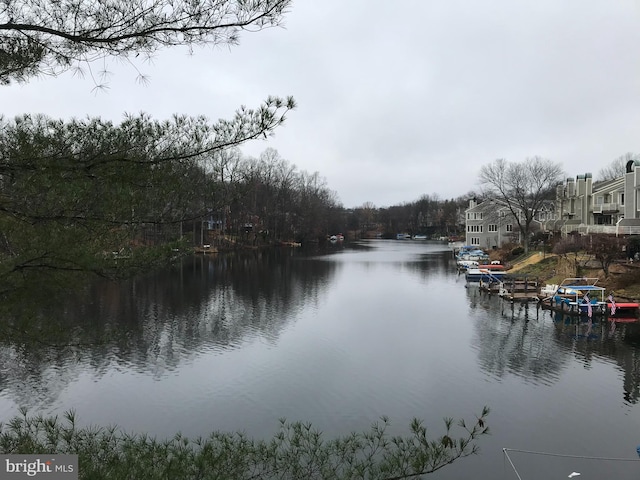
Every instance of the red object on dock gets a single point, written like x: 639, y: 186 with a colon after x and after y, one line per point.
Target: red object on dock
x: 624, y: 305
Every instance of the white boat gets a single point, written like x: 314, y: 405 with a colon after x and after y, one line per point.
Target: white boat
x: 464, y: 264
x: 484, y: 275
x: 569, y: 287
x: 479, y: 256
x: 469, y: 252
x: 548, y: 290
x: 419, y: 237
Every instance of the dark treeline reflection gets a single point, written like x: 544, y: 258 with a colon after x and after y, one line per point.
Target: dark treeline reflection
x: 437, y: 261
x: 536, y: 344
x: 151, y: 323
x: 434, y: 264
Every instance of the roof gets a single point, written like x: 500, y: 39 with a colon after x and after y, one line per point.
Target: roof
x: 584, y: 288
x: 583, y: 284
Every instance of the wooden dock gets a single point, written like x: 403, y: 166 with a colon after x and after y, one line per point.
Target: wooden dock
x: 520, y: 289
x: 491, y: 286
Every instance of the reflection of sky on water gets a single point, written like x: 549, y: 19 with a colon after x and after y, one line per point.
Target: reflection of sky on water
x: 152, y: 325
x: 514, y: 338
x: 237, y: 342
x: 538, y: 345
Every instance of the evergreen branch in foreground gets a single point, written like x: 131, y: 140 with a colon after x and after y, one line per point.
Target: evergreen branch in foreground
x: 296, y: 451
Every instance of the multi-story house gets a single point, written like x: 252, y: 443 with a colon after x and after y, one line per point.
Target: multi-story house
x: 490, y: 225
x: 611, y: 206
x: 581, y: 206
x: 587, y: 207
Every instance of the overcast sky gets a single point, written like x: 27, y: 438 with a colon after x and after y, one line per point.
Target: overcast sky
x: 398, y: 99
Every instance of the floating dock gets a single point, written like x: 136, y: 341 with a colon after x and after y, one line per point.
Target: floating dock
x: 522, y: 289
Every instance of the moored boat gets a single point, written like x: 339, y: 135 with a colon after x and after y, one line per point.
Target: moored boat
x: 469, y: 252
x: 465, y: 264
x: 548, y: 290
x: 484, y: 274
x: 492, y: 266
x: 577, y: 296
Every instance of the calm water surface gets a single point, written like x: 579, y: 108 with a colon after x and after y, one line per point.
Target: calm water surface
x: 339, y: 339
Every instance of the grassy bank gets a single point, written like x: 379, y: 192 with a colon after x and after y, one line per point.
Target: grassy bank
x: 623, y: 279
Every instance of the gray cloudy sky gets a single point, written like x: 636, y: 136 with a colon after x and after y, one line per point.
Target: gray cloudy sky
x: 397, y: 99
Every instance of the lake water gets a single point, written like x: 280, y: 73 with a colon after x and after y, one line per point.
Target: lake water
x: 235, y: 342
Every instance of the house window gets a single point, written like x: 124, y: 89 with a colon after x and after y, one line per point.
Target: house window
x: 477, y: 216
x: 622, y: 199
x: 509, y: 227
x: 475, y: 240
x: 599, y: 200
x: 492, y: 228
x: 474, y: 228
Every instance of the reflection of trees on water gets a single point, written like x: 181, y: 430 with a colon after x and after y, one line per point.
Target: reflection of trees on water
x: 511, y: 338
x: 536, y: 344
x: 36, y: 377
x: 437, y: 263
x: 630, y: 363
x: 152, y: 323
x: 422, y: 258
x: 616, y: 342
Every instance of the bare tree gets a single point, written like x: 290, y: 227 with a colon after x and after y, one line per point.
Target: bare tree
x: 49, y: 36
x: 617, y: 167
x: 606, y: 249
x: 368, y: 211
x: 522, y: 188
x: 574, y: 250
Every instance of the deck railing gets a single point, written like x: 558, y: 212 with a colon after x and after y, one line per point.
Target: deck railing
x: 605, y: 207
x: 610, y: 229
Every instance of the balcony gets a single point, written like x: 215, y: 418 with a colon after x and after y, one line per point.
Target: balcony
x: 606, y: 208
